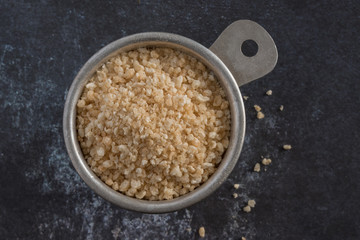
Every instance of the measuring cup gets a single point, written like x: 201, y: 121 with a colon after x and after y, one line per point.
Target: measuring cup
x: 232, y: 68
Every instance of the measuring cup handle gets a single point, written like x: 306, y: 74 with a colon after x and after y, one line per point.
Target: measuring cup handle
x: 228, y: 48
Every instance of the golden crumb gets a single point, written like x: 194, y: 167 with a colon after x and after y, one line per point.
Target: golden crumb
x: 251, y: 203
x: 202, y: 232
x: 243, y: 238
x: 257, y: 108
x: 245, y: 97
x: 269, y: 92
x: 153, y: 123
x: 235, y: 195
x: 281, y: 107
x: 257, y: 167
x: 260, y: 115
x: 247, y: 209
x: 236, y: 185
x: 266, y: 161
x: 287, y: 147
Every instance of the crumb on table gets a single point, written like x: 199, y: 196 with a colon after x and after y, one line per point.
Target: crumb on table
x: 251, y: 203
x: 235, y: 195
x: 287, y: 147
x: 266, y: 161
x: 236, y: 185
x: 260, y: 115
x: 245, y: 97
x: 281, y: 107
x: 257, y: 108
x: 257, y: 167
x: 202, y: 232
x: 269, y: 92
x: 247, y: 209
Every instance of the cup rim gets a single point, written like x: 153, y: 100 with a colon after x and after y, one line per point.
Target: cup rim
x: 193, y: 48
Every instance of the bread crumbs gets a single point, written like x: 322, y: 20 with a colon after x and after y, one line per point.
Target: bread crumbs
x: 153, y: 123
x: 257, y: 167
x: 202, y: 232
x: 287, y: 147
x: 257, y: 108
x: 247, y: 209
x: 251, y: 203
x: 260, y: 115
x: 266, y: 161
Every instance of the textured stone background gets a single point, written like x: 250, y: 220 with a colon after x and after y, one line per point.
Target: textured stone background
x: 310, y: 192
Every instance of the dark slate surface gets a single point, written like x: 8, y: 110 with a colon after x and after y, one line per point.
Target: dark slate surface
x: 310, y: 192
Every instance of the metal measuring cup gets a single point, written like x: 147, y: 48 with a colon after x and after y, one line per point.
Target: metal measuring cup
x: 229, y: 64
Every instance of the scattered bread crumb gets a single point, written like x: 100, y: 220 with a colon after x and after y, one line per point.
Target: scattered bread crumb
x: 235, y: 195
x: 236, y: 185
x: 287, y: 147
x: 202, y: 232
x: 257, y: 108
x: 243, y: 238
x: 260, y: 115
x: 281, y: 107
x: 251, y: 203
x: 269, y: 92
x: 247, y: 209
x: 266, y: 161
x: 245, y: 97
x: 257, y: 167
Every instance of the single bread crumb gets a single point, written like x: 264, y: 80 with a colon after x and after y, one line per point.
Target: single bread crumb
x: 257, y: 108
x: 243, y: 238
x: 202, y: 232
x: 260, y: 115
x: 257, y: 167
x: 245, y: 97
x: 153, y: 123
x: 281, y: 108
x: 247, y: 209
x: 287, y: 147
x: 266, y: 161
x: 235, y: 195
x: 251, y: 203
x: 269, y: 92
x: 236, y: 185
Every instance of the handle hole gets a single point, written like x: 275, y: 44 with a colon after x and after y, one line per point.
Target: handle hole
x: 249, y: 48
